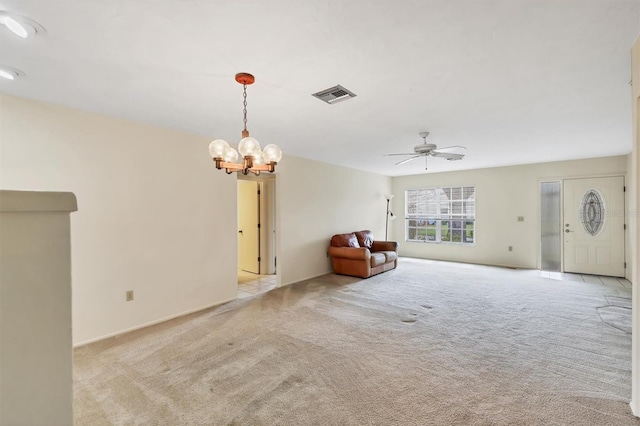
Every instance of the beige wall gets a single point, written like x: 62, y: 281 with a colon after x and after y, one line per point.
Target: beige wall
x: 502, y: 194
x: 154, y: 214
x: 316, y: 200
x: 156, y: 217
x: 631, y: 217
x: 634, y: 180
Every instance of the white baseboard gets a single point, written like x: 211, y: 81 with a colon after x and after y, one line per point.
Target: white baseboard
x: 306, y: 279
x: 635, y: 413
x: 150, y: 323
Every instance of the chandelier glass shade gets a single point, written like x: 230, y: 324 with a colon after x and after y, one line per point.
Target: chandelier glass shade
x: 249, y: 157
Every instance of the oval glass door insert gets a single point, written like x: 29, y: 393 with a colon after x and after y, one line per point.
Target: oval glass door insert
x: 592, y: 212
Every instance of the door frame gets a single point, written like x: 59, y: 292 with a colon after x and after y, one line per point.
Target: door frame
x: 268, y: 220
x: 248, y: 213
x: 561, y: 180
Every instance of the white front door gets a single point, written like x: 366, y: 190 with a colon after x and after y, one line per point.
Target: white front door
x: 248, y: 219
x: 593, y: 228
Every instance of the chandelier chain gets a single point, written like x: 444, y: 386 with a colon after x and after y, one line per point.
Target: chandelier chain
x: 244, y: 103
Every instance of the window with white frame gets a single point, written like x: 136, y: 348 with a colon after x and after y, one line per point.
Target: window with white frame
x: 441, y: 215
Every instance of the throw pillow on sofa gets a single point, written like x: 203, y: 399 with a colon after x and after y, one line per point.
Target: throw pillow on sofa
x: 345, y: 240
x: 365, y: 238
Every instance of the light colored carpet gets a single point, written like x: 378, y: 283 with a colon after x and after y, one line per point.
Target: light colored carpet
x: 429, y: 343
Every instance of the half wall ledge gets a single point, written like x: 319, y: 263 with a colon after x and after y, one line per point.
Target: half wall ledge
x: 37, y: 201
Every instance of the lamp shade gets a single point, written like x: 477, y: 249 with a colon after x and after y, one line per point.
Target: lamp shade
x: 388, y: 196
x: 248, y: 146
x: 217, y: 148
x: 230, y: 155
x: 258, y: 157
x: 272, y: 153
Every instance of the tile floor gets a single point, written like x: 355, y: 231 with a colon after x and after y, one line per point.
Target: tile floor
x: 593, y: 279
x: 251, y: 284
x: 617, y: 312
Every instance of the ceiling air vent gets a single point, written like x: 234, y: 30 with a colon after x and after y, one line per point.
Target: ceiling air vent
x: 334, y: 94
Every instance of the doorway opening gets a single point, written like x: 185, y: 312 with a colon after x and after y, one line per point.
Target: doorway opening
x: 256, y: 234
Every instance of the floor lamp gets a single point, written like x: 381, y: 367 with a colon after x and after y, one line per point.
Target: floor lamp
x: 390, y: 214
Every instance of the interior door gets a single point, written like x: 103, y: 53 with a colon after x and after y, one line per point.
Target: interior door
x: 593, y: 211
x: 248, y: 228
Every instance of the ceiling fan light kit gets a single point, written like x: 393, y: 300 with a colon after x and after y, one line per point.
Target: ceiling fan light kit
x: 429, y: 149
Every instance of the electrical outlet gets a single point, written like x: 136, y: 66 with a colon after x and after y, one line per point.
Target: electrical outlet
x: 129, y: 295
x: 520, y: 218
x: 510, y: 248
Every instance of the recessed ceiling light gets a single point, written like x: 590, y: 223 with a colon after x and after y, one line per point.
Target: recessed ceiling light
x: 20, y: 25
x: 15, y: 27
x: 10, y: 73
x: 7, y: 75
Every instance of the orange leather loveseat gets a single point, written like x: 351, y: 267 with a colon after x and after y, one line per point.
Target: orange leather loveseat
x: 359, y: 255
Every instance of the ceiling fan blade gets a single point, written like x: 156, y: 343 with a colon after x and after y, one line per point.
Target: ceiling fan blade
x: 411, y: 153
x: 408, y: 159
x: 452, y: 147
x: 447, y: 155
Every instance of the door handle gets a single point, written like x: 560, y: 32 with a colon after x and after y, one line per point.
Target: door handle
x: 240, y: 231
x: 566, y: 230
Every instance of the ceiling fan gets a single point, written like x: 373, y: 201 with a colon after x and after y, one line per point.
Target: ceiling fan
x: 429, y: 149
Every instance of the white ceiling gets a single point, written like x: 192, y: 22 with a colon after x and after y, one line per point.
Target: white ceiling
x: 515, y: 81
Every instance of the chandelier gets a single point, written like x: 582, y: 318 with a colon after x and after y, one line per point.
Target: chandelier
x: 254, y: 159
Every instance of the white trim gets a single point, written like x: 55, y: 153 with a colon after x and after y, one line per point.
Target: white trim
x: 150, y: 323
